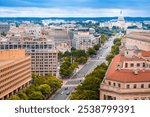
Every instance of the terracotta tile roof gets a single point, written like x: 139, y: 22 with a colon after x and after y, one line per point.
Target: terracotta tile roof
x: 125, y: 75
x: 145, y: 53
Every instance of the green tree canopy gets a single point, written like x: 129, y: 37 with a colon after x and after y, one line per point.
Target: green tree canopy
x: 36, y: 95
x: 45, y: 89
x: 91, y: 51
x: 96, y: 47
x: 15, y: 97
x: 22, y: 95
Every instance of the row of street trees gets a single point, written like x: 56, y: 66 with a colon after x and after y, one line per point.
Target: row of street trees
x: 104, y: 38
x: 42, y: 87
x: 114, y: 49
x: 89, y: 89
x: 71, y: 60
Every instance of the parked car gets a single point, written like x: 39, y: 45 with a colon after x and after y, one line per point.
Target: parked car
x: 66, y: 88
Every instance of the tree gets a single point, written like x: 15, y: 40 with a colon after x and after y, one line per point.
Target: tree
x: 96, y: 47
x: 74, y: 65
x: 91, y: 51
x: 91, y: 83
x: 81, y: 60
x: 66, y: 54
x: 45, y: 89
x: 115, y: 40
x: 85, y: 95
x: 67, y: 68
x: 22, y: 95
x: 41, y: 88
x: 54, y: 83
x: 14, y: 97
x: 89, y: 89
x: 109, y: 58
x: 38, y: 80
x: 104, y: 38
x: 60, y: 56
x: 36, y: 95
x: 115, y: 49
x: 3, y: 34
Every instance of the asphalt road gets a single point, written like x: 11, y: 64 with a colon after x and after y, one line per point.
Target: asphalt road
x: 92, y: 63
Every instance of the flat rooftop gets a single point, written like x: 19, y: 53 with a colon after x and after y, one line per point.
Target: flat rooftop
x: 142, y: 36
x: 5, y: 62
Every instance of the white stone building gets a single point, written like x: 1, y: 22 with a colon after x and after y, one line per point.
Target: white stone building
x: 84, y: 40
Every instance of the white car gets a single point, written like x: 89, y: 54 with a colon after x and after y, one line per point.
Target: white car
x: 62, y: 93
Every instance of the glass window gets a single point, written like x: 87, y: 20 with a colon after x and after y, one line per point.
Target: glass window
x: 143, y: 64
x: 114, y: 84
x: 126, y: 65
x: 138, y: 64
x: 135, y: 86
x: 132, y: 65
x: 142, y: 85
x: 128, y: 86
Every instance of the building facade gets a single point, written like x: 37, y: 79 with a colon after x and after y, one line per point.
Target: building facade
x: 15, y: 72
x: 140, y: 38
x: 84, y: 40
x: 42, y: 51
x: 4, y: 27
x: 127, y: 78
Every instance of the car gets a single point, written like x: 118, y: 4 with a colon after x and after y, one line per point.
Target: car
x: 62, y: 93
x: 66, y: 88
x: 68, y: 93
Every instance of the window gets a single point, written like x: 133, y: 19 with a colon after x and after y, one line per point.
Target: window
x: 109, y: 83
x: 104, y: 97
x: 128, y: 86
x: 135, y: 86
x: 143, y: 64
x: 132, y: 65
x: 148, y: 85
x: 114, y: 84
x: 126, y: 65
x: 138, y: 64
x: 142, y: 85
x: 119, y: 85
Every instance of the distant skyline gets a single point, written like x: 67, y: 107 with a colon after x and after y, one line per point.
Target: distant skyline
x: 74, y: 8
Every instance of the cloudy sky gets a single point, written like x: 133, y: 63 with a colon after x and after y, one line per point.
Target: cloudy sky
x: 74, y: 8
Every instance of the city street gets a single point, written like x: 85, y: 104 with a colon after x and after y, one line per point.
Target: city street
x: 92, y: 63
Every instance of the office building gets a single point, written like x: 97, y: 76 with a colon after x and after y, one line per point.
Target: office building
x: 15, y: 72
x: 42, y: 51
x: 140, y: 38
x: 84, y: 40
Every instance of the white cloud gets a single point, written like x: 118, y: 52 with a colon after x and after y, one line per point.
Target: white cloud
x: 67, y: 12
